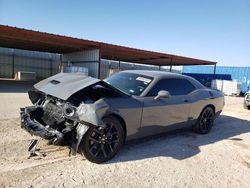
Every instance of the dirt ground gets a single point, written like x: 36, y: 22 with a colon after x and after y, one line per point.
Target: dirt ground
x: 218, y: 159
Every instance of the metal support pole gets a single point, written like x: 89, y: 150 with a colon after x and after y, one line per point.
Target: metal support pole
x: 214, y: 71
x: 51, y: 67
x: 119, y: 65
x: 13, y: 64
x: 159, y: 67
x: 170, y: 70
x: 61, y: 64
x: 99, y: 64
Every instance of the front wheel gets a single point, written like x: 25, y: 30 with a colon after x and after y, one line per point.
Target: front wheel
x: 205, y: 121
x: 101, y: 143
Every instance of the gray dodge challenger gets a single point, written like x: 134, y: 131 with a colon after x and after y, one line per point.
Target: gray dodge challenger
x: 95, y: 117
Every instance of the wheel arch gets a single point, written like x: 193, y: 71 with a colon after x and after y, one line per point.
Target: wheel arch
x: 196, y: 127
x: 209, y: 105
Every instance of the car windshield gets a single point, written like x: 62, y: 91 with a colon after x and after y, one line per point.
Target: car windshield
x: 129, y: 83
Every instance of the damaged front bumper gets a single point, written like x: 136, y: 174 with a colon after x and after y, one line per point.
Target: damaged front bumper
x: 31, y: 125
x: 37, y: 129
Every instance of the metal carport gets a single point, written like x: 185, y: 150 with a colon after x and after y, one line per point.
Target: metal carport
x: 18, y: 38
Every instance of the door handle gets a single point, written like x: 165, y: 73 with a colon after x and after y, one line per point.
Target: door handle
x: 186, y: 100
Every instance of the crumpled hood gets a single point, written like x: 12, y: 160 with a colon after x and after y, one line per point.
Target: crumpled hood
x: 63, y: 85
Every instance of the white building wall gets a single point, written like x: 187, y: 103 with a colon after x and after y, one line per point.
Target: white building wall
x: 88, y: 59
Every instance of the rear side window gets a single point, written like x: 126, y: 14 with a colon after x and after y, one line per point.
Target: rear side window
x: 174, y: 86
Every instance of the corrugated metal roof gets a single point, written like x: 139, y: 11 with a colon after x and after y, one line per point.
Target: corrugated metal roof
x: 19, y: 38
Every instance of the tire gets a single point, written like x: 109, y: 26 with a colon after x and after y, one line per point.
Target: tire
x: 245, y: 105
x: 100, y: 144
x: 205, y: 121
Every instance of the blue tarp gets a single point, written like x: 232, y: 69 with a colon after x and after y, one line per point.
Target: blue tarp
x: 205, y: 74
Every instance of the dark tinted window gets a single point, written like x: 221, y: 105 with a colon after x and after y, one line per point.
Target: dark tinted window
x: 173, y: 86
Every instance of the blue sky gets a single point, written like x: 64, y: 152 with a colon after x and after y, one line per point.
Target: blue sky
x: 217, y: 30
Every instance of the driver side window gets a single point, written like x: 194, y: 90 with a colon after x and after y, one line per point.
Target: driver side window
x: 175, y: 86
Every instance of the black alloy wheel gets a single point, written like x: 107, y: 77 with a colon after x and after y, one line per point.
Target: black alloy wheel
x: 101, y: 143
x: 205, y: 121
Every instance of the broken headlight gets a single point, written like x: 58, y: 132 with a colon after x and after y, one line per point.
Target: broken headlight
x: 69, y: 110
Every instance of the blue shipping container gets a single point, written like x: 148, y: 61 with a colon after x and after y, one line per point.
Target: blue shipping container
x: 240, y: 74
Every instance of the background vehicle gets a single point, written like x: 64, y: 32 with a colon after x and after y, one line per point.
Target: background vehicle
x: 96, y: 117
x: 247, y: 100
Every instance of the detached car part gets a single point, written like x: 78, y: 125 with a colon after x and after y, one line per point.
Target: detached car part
x: 96, y: 117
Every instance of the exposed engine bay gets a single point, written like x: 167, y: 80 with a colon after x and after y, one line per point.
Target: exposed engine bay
x: 64, y: 122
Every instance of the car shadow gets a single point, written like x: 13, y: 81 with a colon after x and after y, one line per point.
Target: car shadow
x: 184, y: 144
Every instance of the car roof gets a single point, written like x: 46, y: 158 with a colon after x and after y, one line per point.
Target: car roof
x: 156, y: 74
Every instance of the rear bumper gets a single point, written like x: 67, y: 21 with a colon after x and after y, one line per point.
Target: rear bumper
x: 36, y: 128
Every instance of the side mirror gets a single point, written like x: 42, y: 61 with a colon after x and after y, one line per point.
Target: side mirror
x: 162, y: 94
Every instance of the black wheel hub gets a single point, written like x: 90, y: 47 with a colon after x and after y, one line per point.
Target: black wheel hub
x: 103, y: 141
x: 206, y: 120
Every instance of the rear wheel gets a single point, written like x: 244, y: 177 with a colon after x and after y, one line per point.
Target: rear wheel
x: 205, y: 121
x: 245, y: 105
x: 101, y: 143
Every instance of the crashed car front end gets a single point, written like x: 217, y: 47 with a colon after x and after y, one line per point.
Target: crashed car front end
x: 52, y: 119
x: 62, y: 114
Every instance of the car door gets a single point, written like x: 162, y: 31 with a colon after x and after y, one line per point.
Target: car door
x: 165, y: 114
